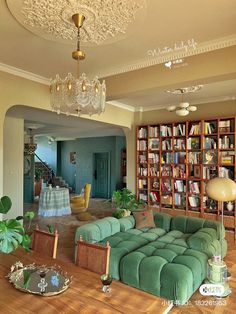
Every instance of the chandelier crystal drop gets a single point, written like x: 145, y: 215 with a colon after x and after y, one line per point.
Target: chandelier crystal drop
x: 77, y: 96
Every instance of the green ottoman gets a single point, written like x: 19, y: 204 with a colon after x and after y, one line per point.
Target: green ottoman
x: 165, y: 270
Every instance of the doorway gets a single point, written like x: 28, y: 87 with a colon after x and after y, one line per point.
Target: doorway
x: 101, y: 175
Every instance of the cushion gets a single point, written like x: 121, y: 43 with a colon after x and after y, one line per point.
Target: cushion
x: 144, y: 219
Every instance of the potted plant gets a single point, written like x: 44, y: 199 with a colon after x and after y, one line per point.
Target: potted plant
x: 12, y: 232
x: 38, y: 181
x: 125, y: 202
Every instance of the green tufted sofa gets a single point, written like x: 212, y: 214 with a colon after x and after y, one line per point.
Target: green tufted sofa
x: 168, y: 261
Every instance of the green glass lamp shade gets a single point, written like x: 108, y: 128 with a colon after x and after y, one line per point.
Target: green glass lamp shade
x: 221, y: 189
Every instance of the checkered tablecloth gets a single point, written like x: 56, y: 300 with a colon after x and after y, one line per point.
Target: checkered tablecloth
x: 54, y: 202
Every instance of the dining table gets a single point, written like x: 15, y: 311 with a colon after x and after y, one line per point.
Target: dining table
x: 84, y: 295
x: 54, y: 202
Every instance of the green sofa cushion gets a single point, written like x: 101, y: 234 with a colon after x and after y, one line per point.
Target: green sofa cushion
x: 127, y: 223
x: 162, y: 220
x: 96, y: 231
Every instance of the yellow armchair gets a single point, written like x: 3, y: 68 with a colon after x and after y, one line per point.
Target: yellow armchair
x: 80, y: 203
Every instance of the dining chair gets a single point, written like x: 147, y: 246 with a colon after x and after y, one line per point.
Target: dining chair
x: 93, y: 257
x: 45, y: 243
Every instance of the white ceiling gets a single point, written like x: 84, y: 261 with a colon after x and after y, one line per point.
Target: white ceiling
x: 158, y: 24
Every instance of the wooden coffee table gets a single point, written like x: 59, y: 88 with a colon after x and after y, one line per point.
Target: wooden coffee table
x: 83, y: 296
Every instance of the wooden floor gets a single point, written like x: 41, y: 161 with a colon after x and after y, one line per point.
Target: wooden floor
x: 198, y: 304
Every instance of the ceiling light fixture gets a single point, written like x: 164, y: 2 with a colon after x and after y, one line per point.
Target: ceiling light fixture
x: 78, y: 95
x: 184, y: 108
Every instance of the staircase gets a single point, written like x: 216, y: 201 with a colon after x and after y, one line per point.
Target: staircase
x: 48, y: 175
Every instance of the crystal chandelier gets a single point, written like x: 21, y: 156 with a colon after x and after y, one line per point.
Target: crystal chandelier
x: 183, y: 108
x: 77, y: 95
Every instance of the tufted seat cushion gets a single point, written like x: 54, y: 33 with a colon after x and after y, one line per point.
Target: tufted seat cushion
x: 165, y: 270
x: 123, y: 243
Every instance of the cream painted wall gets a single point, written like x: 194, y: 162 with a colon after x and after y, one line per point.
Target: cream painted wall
x: 13, y: 152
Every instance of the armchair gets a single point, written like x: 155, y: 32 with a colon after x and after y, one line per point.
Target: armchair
x: 79, y: 204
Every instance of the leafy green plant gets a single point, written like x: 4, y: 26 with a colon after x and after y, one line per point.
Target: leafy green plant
x: 126, y: 199
x: 38, y: 174
x: 50, y: 228
x: 12, y: 232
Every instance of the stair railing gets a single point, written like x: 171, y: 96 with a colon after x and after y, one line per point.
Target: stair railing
x: 46, y: 166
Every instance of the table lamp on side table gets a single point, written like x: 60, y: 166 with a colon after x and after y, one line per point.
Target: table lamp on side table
x: 221, y: 190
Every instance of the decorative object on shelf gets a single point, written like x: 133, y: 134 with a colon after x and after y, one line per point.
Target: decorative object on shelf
x: 221, y: 190
x: 42, y: 280
x: 77, y: 95
x: 230, y: 206
x: 12, y: 232
x: 184, y: 108
x: 31, y: 146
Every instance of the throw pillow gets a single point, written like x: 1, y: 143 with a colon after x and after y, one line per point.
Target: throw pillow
x: 144, y: 219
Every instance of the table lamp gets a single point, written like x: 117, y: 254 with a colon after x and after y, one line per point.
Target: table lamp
x: 221, y: 190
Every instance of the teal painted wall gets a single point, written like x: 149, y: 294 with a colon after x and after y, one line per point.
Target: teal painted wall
x: 66, y: 169
x: 46, y: 152
x: 85, y: 149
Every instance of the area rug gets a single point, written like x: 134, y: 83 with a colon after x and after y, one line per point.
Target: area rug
x: 67, y: 225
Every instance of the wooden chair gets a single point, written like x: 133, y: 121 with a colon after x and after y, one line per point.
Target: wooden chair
x: 93, y: 257
x: 45, y: 243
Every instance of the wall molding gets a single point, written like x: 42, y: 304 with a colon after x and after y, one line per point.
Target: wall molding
x: 25, y: 74
x: 205, y: 47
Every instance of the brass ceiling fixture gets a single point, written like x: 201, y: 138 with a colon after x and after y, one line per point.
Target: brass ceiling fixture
x: 78, y: 95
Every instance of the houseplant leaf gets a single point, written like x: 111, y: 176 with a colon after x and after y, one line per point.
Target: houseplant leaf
x: 11, y: 235
x: 5, y: 204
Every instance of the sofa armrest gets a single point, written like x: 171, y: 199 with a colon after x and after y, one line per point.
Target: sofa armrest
x: 162, y: 220
x: 206, y: 240
x: 126, y: 223
x: 98, y: 230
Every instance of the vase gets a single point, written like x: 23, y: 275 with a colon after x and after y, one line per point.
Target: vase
x: 230, y: 206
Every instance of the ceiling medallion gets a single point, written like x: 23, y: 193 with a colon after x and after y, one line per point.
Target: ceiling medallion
x: 52, y: 19
x: 185, y: 90
x: 183, y: 108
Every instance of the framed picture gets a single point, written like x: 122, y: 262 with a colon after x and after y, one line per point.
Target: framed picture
x: 73, y: 158
x: 197, y: 171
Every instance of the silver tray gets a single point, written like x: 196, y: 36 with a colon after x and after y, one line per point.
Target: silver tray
x: 39, y: 279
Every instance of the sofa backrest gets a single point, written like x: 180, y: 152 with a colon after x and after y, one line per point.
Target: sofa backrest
x: 187, y: 224
x: 98, y: 230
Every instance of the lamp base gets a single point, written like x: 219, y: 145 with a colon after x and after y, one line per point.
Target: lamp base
x: 217, y: 273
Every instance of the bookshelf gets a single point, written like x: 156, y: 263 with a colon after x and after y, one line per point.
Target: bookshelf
x: 123, y: 167
x: 176, y: 160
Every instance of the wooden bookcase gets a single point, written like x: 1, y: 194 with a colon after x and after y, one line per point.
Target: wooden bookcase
x: 175, y: 161
x: 123, y: 167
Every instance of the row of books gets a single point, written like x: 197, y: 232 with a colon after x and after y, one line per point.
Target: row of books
x: 209, y: 143
x: 194, y: 187
x: 195, y: 129
x: 142, y: 133
x: 153, y: 131
x: 142, y: 183
x: 153, y: 158
x: 209, y: 172
x: 226, y: 142
x: 227, y: 157
x: 154, y: 197
x: 179, y: 144
x: 154, y: 171
x: 210, y: 127
x: 179, y: 158
x: 142, y: 145
x: 165, y: 130
x: 142, y: 158
x: 224, y: 126
x: 179, y: 171
x: 180, y: 200
x: 194, y: 201
x: 179, y: 130
x: 166, y: 145
x: 166, y: 171
x: 180, y: 186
